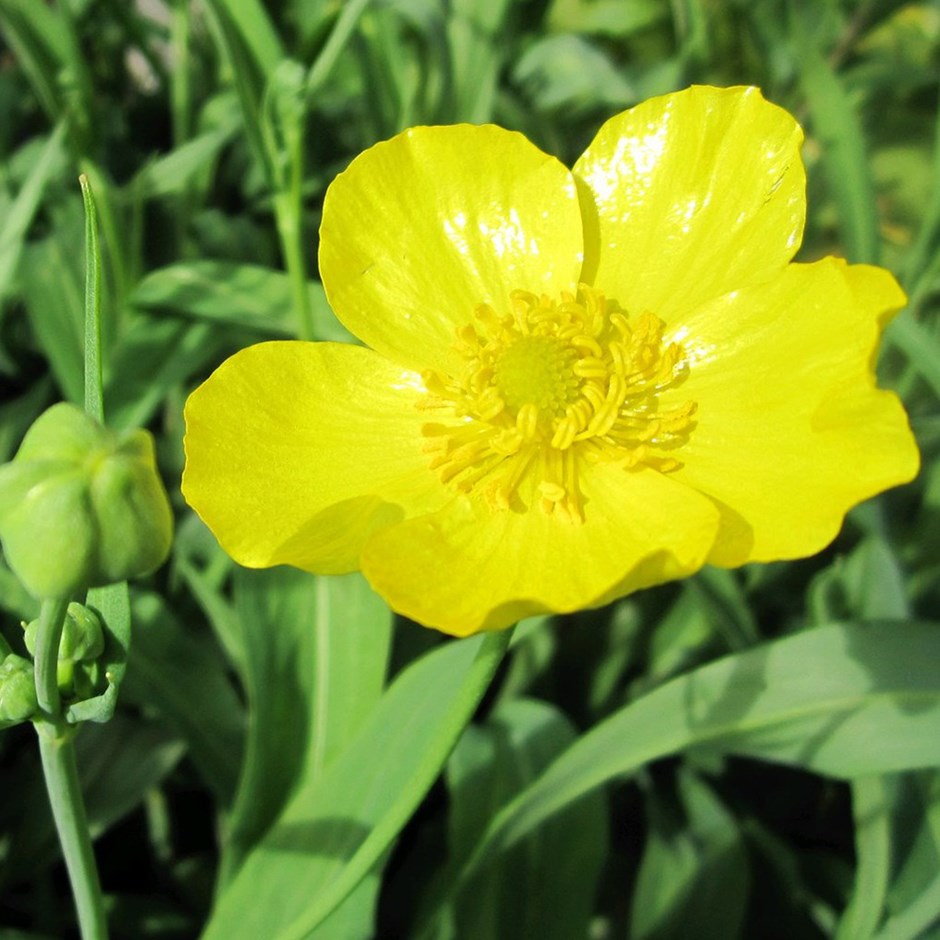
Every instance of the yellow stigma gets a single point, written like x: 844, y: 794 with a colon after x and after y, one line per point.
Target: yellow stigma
x: 548, y: 387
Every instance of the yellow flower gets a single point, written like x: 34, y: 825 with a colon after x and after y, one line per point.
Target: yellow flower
x: 577, y: 383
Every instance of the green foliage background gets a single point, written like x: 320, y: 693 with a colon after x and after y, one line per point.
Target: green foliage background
x: 744, y: 754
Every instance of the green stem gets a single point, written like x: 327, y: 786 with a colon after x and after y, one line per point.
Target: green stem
x: 287, y: 211
x: 57, y: 750
x: 181, y: 109
x: 51, y: 619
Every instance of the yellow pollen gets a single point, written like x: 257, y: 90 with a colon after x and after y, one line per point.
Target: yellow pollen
x: 549, y: 387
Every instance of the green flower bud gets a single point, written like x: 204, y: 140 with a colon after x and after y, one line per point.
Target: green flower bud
x: 82, y: 635
x: 81, y: 506
x: 78, y: 672
x: 17, y: 690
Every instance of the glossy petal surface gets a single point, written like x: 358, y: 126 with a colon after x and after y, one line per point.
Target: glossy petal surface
x: 422, y: 228
x: 791, y: 431
x: 698, y: 398
x: 466, y: 568
x: 689, y: 196
x: 296, y: 451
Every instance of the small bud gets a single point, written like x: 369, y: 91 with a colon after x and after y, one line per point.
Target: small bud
x: 81, y: 506
x: 17, y: 690
x: 82, y: 636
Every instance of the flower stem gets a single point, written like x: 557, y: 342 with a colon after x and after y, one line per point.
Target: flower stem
x: 51, y: 619
x: 57, y: 750
x: 287, y: 209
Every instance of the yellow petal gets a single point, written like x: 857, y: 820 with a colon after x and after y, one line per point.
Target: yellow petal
x: 296, y: 451
x: 690, y: 195
x: 791, y: 431
x: 469, y: 568
x: 422, y: 228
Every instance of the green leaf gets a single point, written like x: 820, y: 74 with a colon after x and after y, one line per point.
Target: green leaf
x: 867, y: 585
x: 475, y: 56
x: 816, y: 700
x: 17, y: 219
x: 680, y: 638
x: 248, y: 41
x: 119, y: 763
x: 17, y: 414
x: 173, y: 173
x: 205, y: 586
x: 835, y: 122
x: 52, y: 282
x: 920, y: 345
x: 154, y: 356
x: 346, y: 22
x: 725, y: 606
x: 871, y: 807
x: 339, y: 823
x: 243, y: 295
x: 316, y: 651
x: 39, y: 40
x: 914, y: 897
x: 14, y: 598
x: 605, y: 17
x: 567, y: 72
x: 694, y: 874
x: 179, y: 674
x: 256, y: 30
x: 559, y: 862
x: 921, y: 263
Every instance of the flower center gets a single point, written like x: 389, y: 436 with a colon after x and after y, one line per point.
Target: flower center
x: 548, y: 389
x: 537, y: 369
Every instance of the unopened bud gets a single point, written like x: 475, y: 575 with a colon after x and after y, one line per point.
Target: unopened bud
x: 82, y: 506
x: 17, y: 690
x: 82, y: 636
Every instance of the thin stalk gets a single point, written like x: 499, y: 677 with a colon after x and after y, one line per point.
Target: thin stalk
x: 57, y: 750
x: 181, y: 106
x: 51, y: 619
x: 180, y: 83
x: 282, y: 132
x: 287, y: 212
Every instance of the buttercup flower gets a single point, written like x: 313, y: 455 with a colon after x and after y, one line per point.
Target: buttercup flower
x: 575, y: 383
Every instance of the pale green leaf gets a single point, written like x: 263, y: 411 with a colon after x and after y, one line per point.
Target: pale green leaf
x: 559, y: 863
x: 339, y: 823
x: 178, y: 673
x: 16, y: 221
x: 816, y: 700
x: 694, y: 874
x: 235, y: 294
x: 315, y: 655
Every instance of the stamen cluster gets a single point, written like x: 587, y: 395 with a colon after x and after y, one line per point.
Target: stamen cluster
x: 548, y: 387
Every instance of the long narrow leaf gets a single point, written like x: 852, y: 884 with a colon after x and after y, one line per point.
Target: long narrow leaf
x: 339, y: 823
x: 316, y: 651
x: 817, y: 700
